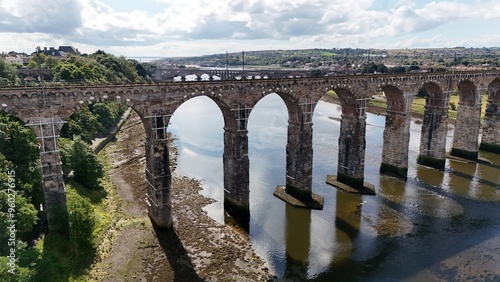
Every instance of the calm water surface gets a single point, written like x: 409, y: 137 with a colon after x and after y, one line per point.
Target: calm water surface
x: 409, y: 231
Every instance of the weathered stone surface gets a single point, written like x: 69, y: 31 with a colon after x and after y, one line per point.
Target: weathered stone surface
x: 47, y: 131
x: 466, y: 136
x: 434, y: 128
x: 491, y: 124
x: 396, y: 133
x: 299, y: 154
x: 352, y: 144
x: 159, y: 179
x: 314, y: 202
x: 236, y: 174
x: 365, y: 188
x: 396, y: 144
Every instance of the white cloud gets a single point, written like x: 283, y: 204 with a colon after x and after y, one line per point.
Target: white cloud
x: 51, y: 16
x: 225, y: 24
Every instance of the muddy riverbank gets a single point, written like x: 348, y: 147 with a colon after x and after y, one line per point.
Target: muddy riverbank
x: 199, y: 249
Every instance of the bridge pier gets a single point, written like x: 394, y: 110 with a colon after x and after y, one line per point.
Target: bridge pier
x: 158, y: 176
x: 237, y: 175
x: 396, y: 143
x: 466, y: 137
x: 351, y: 158
x: 434, y: 128
x: 490, y: 139
x: 299, y: 158
x: 47, y: 131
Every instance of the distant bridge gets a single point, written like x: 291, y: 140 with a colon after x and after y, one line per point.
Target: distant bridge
x: 223, y: 74
x: 46, y: 111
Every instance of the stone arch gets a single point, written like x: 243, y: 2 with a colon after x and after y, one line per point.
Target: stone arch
x: 347, y: 101
x: 435, y: 96
x: 11, y: 110
x: 490, y: 139
x: 227, y: 114
x: 494, y: 90
x: 396, y: 101
x: 235, y: 157
x: 467, y: 92
x: 299, y: 152
x: 292, y: 105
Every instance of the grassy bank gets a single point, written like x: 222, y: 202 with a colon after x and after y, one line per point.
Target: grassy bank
x: 418, y: 105
x: 92, y: 215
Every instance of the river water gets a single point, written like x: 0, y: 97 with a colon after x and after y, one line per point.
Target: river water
x: 437, y: 226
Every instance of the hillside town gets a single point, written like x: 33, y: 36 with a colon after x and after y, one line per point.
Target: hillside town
x: 44, y: 61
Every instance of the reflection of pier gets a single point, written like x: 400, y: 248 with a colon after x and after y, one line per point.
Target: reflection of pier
x: 156, y: 103
x: 298, y: 242
x: 218, y: 74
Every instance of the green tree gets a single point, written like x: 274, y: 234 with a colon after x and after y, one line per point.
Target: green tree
x: 19, y: 145
x: 32, y: 64
x: 11, y: 195
x: 422, y: 93
x: 86, y: 167
x: 107, y: 114
x: 381, y: 68
x: 78, y: 157
x: 316, y: 73
x: 413, y: 68
x: 82, y: 222
x: 397, y: 70
x: 7, y: 72
x: 82, y: 123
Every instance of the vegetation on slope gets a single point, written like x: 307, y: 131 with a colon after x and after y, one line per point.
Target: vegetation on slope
x: 99, y: 67
x: 54, y: 256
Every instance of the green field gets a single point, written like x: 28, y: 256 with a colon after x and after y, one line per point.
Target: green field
x: 418, y: 105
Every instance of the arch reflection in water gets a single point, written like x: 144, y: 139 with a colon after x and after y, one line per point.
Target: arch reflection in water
x: 204, y: 137
x: 404, y: 218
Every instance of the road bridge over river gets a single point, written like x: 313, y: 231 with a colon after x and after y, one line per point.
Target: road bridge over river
x: 45, y: 111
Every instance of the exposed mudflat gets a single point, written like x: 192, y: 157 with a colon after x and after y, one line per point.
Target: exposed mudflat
x: 198, y: 249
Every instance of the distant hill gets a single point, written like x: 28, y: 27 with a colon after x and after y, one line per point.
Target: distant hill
x: 347, y: 58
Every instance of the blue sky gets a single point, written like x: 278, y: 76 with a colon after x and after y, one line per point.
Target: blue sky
x: 167, y: 28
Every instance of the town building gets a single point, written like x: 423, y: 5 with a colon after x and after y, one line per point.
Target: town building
x: 62, y: 51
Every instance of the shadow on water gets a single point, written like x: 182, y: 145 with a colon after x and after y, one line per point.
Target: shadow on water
x: 298, y: 240
x: 432, y: 237
x: 348, y: 210
x: 473, y: 178
x: 177, y: 255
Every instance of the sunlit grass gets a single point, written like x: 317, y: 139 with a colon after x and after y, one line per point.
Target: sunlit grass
x: 418, y: 105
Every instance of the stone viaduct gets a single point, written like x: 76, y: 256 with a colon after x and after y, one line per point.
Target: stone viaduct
x: 45, y: 111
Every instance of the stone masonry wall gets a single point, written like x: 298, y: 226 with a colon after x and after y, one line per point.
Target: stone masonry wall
x: 466, y: 137
x: 396, y: 143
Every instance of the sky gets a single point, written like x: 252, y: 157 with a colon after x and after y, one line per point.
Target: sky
x: 173, y: 28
